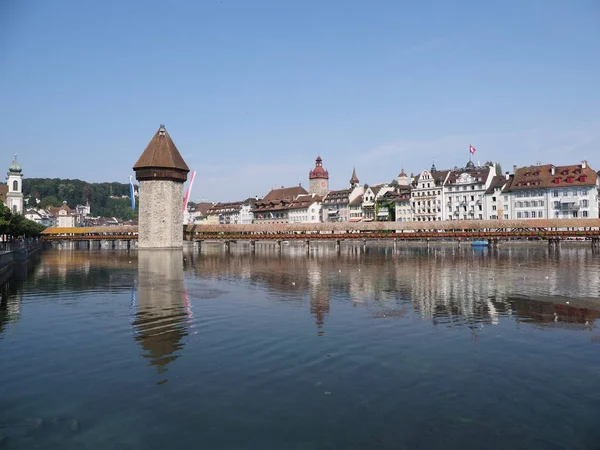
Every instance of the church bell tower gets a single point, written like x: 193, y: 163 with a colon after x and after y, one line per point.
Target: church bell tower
x: 14, y: 180
x: 318, y: 179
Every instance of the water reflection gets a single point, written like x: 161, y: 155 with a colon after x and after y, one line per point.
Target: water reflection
x: 160, y: 300
x: 448, y: 285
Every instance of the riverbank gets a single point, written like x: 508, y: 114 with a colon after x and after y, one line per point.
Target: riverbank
x: 10, y: 258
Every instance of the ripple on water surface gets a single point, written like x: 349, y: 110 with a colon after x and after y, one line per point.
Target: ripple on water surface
x: 420, y: 348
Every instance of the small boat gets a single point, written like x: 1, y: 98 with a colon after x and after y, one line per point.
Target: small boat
x: 479, y: 243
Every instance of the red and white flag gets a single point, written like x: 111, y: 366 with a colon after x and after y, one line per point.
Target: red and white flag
x: 472, y: 149
x: 187, y: 194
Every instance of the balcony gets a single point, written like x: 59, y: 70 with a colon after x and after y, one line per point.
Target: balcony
x: 567, y: 206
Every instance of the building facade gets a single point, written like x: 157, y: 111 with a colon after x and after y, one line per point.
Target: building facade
x: 464, y: 191
x: 548, y: 192
x: 427, y: 195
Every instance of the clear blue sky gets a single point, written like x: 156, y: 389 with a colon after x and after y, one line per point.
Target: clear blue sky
x: 253, y: 91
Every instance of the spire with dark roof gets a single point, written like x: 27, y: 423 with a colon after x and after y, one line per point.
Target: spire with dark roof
x: 354, y: 179
x: 161, y: 159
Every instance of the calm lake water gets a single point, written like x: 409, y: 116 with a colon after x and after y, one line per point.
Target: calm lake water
x: 422, y: 348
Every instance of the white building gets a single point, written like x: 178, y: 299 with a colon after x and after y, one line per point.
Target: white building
x: 338, y: 205
x: 306, y: 208
x: 40, y: 216
x: 548, y: 191
x: 496, y: 200
x: 63, y: 216
x: 427, y: 195
x: 370, y: 197
x: 464, y: 191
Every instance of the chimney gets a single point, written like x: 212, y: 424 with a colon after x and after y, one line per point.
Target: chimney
x: 584, y: 164
x: 514, y: 168
x: 507, y: 176
x: 553, y: 170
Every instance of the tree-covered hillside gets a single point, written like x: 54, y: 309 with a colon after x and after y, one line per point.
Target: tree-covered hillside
x: 53, y: 191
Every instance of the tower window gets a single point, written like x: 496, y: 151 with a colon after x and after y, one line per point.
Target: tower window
x: 15, y: 185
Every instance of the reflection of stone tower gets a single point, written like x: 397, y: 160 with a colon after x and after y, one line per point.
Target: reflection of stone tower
x: 318, y: 179
x: 319, y: 295
x: 354, y: 179
x: 161, y: 313
x: 161, y: 172
x: 14, y: 180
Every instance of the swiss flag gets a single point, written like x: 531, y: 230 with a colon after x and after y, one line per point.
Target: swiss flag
x: 472, y: 149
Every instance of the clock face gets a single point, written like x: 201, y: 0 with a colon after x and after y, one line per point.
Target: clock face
x: 323, y: 184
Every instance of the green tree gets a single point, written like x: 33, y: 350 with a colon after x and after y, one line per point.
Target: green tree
x: 49, y: 201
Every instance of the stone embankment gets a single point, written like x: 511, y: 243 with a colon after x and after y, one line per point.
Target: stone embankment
x: 17, y: 252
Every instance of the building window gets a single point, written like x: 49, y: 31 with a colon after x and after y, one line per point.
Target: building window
x: 584, y: 203
x: 519, y: 215
x: 584, y: 213
x: 533, y: 214
x: 555, y: 193
x: 526, y: 215
x: 493, y: 207
x: 505, y: 216
x: 15, y: 186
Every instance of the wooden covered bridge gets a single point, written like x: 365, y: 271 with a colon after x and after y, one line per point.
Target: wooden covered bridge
x: 552, y: 230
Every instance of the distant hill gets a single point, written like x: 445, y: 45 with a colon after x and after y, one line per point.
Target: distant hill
x: 53, y: 191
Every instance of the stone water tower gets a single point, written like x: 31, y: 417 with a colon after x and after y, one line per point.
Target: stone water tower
x: 161, y: 172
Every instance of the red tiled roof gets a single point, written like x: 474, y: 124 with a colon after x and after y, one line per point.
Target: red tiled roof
x: 284, y: 193
x: 318, y: 171
x: 498, y: 181
x: 535, y: 177
x: 480, y: 175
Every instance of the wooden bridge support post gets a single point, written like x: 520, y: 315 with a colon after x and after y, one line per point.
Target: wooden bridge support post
x: 338, y: 245
x: 226, y: 246
x: 395, y: 245
x: 364, y: 246
x: 554, y: 244
x: 308, y: 247
x: 253, y: 246
x: 595, y: 243
x: 278, y: 247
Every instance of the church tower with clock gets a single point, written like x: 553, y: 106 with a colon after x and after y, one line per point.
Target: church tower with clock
x: 318, y: 179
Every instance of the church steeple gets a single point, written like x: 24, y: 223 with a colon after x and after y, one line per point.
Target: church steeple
x: 354, y: 179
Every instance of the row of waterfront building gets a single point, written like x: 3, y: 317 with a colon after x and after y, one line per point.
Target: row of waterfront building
x: 542, y: 191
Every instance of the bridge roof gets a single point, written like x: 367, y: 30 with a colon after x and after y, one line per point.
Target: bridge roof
x: 89, y: 230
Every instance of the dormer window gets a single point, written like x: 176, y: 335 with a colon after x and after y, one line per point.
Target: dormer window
x: 556, y: 180
x: 583, y: 178
x: 570, y: 179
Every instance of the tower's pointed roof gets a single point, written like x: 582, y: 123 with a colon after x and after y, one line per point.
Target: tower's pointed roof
x: 354, y: 179
x: 161, y: 153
